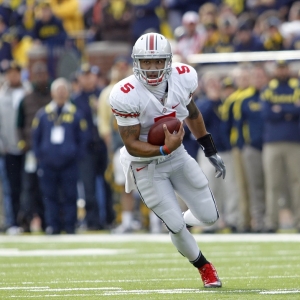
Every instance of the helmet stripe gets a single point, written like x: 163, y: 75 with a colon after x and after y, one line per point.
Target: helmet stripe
x: 151, y: 42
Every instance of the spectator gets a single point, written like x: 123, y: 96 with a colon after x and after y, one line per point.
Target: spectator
x: 212, y: 38
x: 281, y: 144
x: 6, y: 211
x: 31, y: 200
x: 20, y: 45
x: 246, y: 40
x: 69, y: 12
x: 209, y: 106
x: 242, y: 82
x: 5, y: 48
x: 23, y: 16
x: 49, y: 31
x: 192, y: 41
x: 290, y: 29
x: 236, y: 6
x: 95, y: 161
x: 174, y: 10
x: 247, y: 113
x: 208, y: 13
x: 11, y: 93
x: 59, y: 143
x: 117, y: 18
x: 260, y: 7
x: 93, y: 19
x: 145, y: 18
x: 272, y: 38
x: 227, y: 24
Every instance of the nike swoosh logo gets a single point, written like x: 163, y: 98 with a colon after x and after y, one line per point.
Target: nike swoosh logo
x: 175, y: 105
x: 139, y: 169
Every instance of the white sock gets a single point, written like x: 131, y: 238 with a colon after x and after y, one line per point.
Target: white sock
x: 127, y: 217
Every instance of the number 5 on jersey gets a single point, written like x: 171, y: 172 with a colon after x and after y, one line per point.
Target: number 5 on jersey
x: 183, y: 69
x: 127, y: 87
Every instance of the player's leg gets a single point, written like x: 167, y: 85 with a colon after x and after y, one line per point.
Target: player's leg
x: 158, y: 194
x: 192, y: 185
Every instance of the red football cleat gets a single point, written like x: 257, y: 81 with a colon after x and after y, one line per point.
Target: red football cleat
x: 209, y: 276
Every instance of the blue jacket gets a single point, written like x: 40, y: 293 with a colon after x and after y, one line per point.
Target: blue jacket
x: 145, y: 17
x: 5, y: 53
x: 229, y: 116
x: 255, y: 44
x: 72, y: 146
x: 50, y: 33
x: 281, y: 126
x: 249, y: 120
x: 210, y: 111
x: 83, y: 102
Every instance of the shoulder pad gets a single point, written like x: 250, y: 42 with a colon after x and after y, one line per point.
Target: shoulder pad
x: 186, y: 74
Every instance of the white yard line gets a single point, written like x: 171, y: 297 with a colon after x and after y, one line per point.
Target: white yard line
x: 277, y: 292
x: 62, y: 252
x: 161, y: 238
x: 119, y: 292
x: 136, y: 280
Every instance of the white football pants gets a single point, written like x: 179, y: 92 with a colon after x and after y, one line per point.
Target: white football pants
x: 158, y: 180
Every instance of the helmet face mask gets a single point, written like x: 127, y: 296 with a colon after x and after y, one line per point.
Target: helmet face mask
x: 152, y: 46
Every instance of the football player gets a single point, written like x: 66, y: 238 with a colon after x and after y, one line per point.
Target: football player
x: 161, y: 89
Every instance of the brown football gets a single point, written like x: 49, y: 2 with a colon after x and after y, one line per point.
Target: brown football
x: 156, y: 135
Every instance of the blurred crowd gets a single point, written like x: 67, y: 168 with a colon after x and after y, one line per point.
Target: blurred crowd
x: 195, y: 26
x: 59, y: 144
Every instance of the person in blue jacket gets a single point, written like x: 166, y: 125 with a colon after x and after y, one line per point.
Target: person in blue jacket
x: 58, y: 140
x: 145, y: 17
x: 281, y: 144
x: 49, y: 31
x: 215, y: 90
x: 250, y: 124
x: 246, y: 39
x: 98, y: 195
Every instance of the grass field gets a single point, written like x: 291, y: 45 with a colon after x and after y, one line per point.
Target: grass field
x: 103, y: 266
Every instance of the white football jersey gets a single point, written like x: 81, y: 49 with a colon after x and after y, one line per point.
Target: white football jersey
x: 132, y: 103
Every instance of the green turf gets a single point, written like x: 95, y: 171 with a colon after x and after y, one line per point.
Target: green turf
x: 145, y: 270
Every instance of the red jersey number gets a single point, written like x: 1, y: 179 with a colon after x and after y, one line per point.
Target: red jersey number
x: 127, y: 87
x: 183, y: 69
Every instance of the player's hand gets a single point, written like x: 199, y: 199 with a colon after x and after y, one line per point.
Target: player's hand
x: 173, y: 140
x: 218, y: 163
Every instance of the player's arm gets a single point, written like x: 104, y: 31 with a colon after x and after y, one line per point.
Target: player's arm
x: 195, y: 121
x: 196, y: 125
x: 135, y: 147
